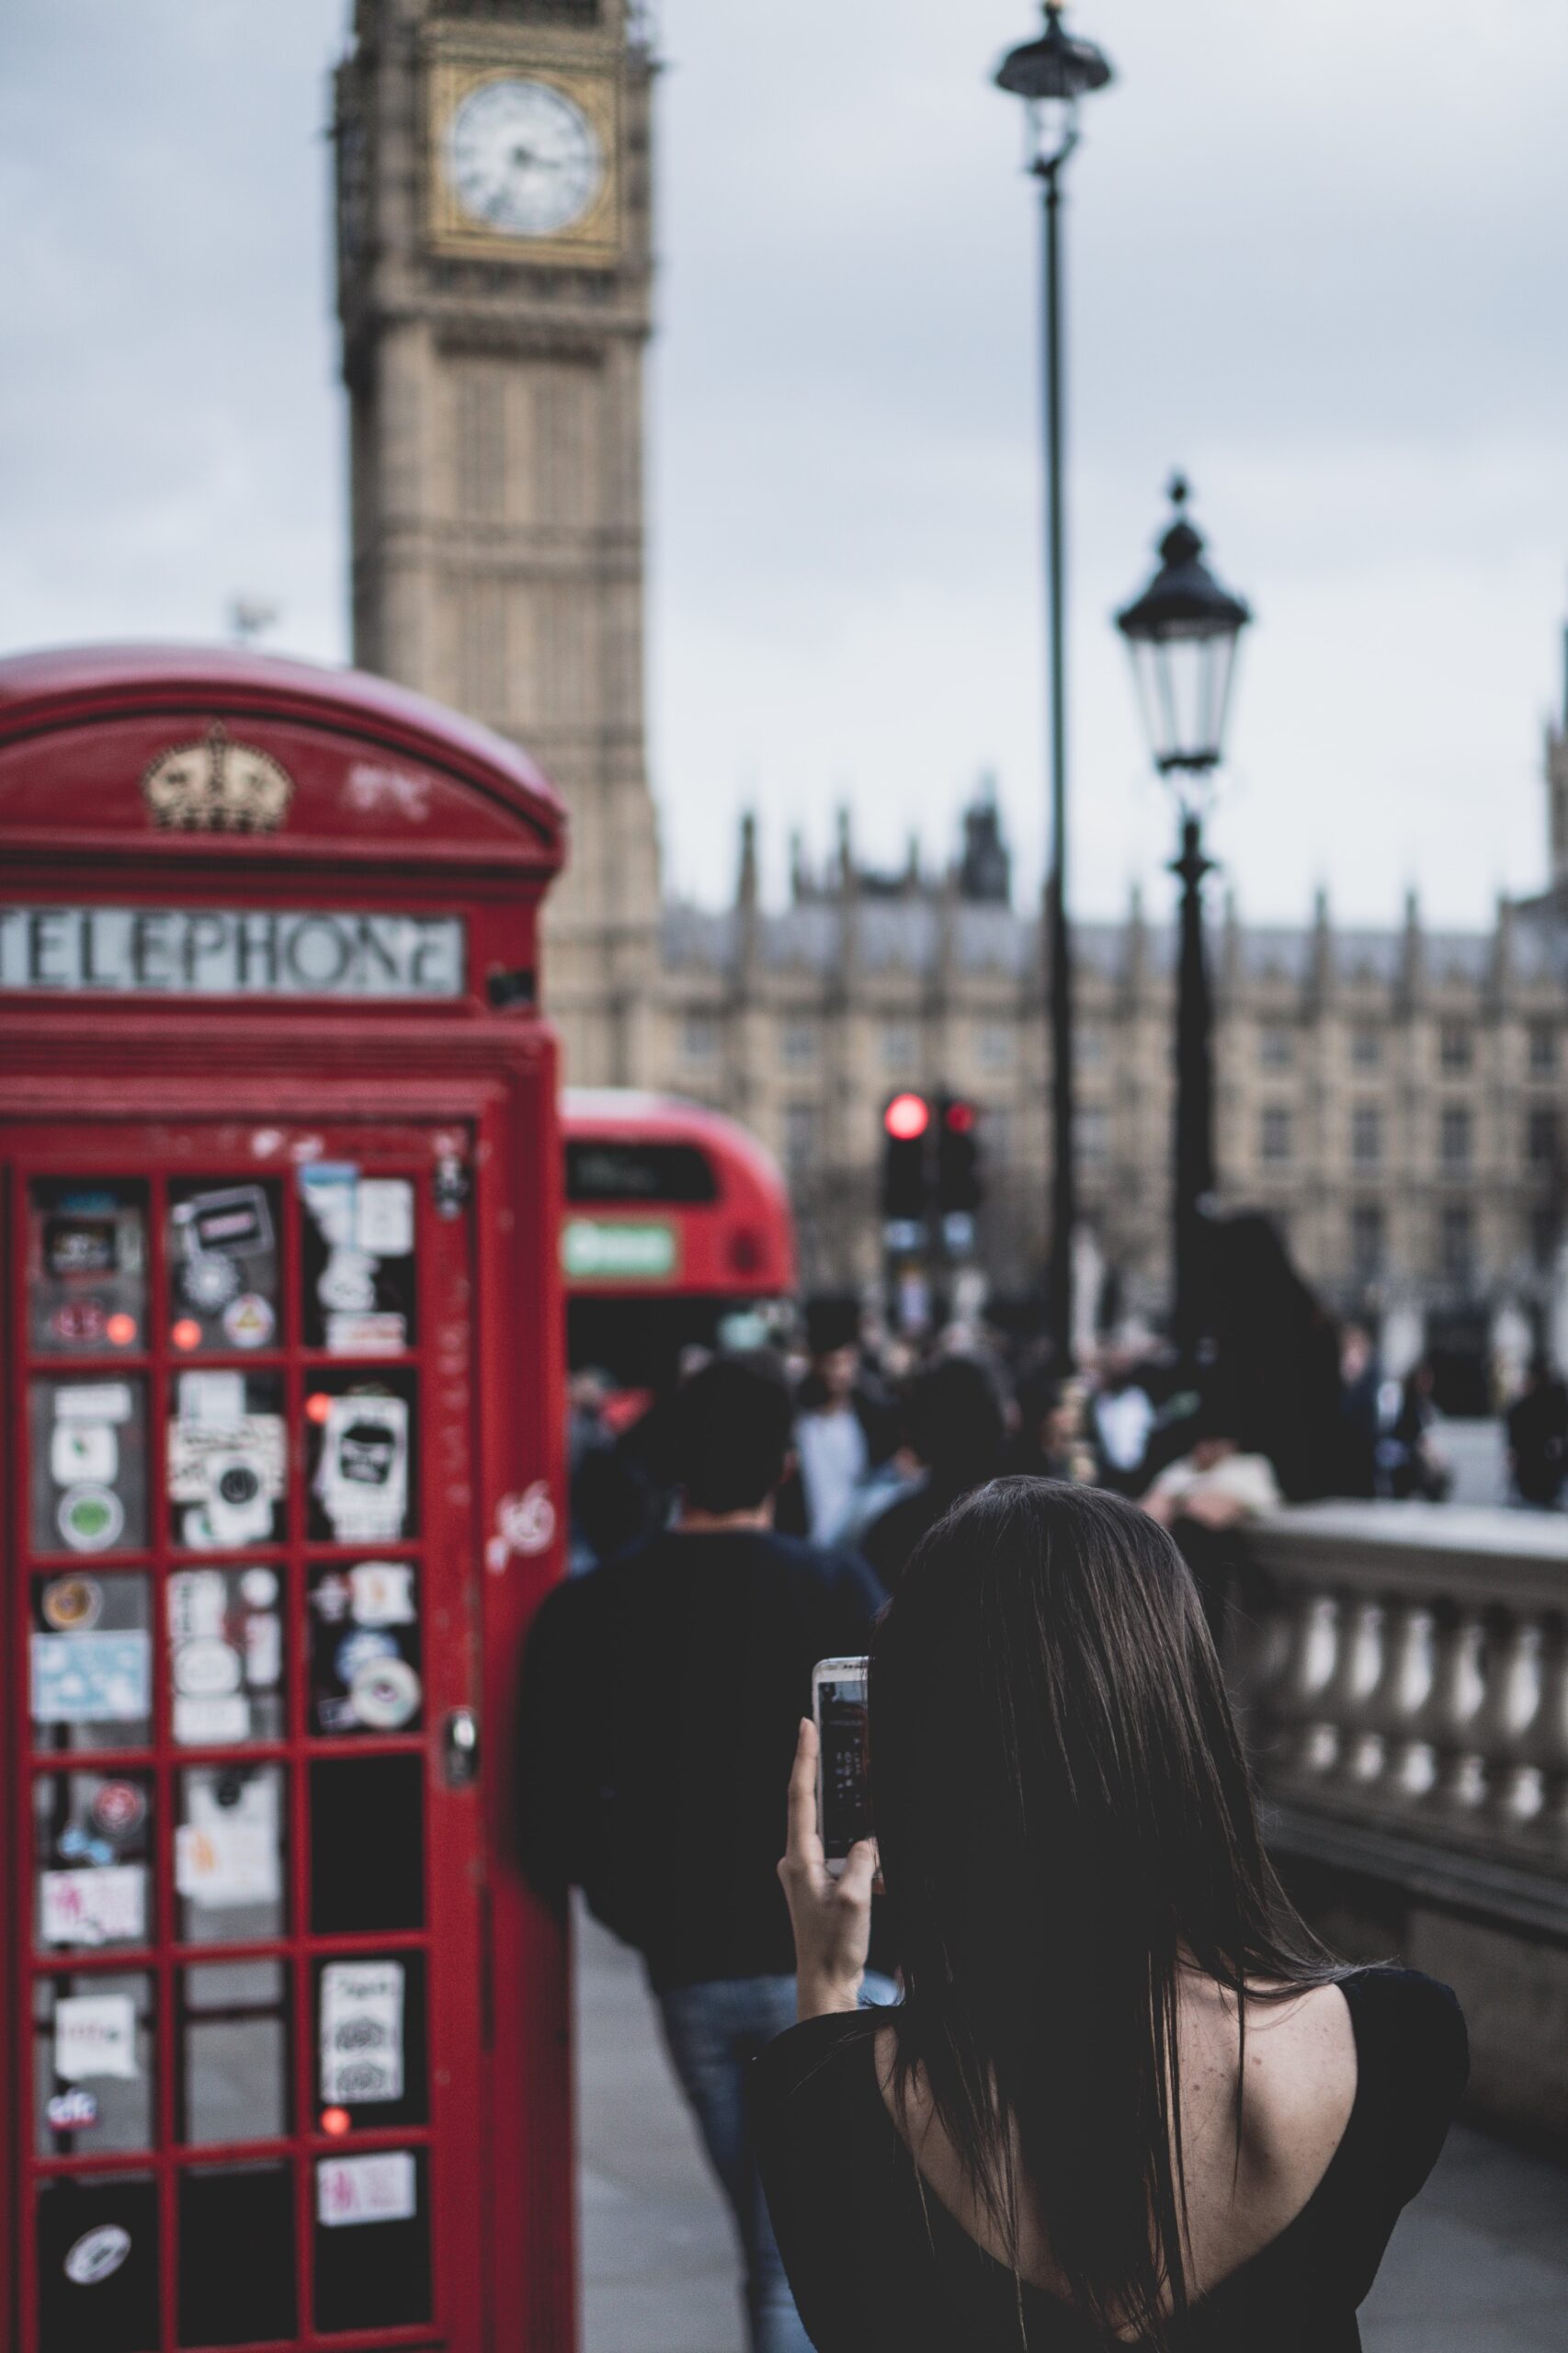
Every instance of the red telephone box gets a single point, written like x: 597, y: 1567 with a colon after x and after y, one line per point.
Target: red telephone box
x: 284, y: 2062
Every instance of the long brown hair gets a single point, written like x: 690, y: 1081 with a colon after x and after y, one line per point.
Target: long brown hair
x: 1066, y: 1820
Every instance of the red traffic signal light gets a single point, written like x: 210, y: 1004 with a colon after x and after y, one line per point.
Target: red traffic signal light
x: 906, y: 1146
x: 907, y: 1117
x: 958, y: 1186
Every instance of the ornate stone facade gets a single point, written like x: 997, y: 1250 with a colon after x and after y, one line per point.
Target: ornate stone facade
x: 1398, y: 1098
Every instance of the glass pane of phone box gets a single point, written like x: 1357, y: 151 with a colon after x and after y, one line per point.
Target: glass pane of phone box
x: 372, y: 2240
x: 366, y: 1844
x: 236, y: 2255
x: 96, y: 2246
x: 86, y: 1267
x: 225, y: 1629
x: 232, y: 2083
x: 228, y: 1460
x: 90, y: 1662
x: 92, y: 1849
x: 93, y: 2073
x: 88, y: 1464
x: 221, y: 1249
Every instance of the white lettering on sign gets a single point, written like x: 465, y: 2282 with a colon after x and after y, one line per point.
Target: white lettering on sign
x: 232, y: 951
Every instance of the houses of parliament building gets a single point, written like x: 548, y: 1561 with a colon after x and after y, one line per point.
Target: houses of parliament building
x: 1396, y: 1099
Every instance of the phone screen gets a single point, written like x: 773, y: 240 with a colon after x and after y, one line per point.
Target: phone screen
x: 846, y: 1795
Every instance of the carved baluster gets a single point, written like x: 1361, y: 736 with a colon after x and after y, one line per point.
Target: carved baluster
x: 1503, y: 1721
x: 1411, y: 1649
x: 1549, y: 1741
x: 1459, y: 1787
x: 1351, y: 1700
x: 1308, y: 1741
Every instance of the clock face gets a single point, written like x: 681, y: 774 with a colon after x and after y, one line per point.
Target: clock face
x: 523, y: 158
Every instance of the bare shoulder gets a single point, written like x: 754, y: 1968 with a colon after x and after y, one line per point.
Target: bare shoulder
x: 1301, y: 2081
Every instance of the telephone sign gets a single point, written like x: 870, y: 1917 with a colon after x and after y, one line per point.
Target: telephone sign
x: 282, y: 2050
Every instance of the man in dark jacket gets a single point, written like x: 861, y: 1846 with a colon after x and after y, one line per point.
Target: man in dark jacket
x: 958, y: 1427
x: 661, y: 1702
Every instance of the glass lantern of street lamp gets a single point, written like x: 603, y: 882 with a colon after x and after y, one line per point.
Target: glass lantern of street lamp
x: 1183, y: 632
x: 1051, y: 75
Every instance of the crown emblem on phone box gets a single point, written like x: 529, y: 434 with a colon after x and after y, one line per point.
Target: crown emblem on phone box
x: 217, y: 787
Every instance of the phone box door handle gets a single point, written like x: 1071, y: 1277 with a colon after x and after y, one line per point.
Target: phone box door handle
x: 459, y: 1748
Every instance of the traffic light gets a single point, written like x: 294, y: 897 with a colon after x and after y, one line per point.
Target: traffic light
x: 958, y: 1186
x: 906, y: 1130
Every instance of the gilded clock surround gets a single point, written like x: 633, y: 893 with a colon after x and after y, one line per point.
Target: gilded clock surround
x: 593, y: 240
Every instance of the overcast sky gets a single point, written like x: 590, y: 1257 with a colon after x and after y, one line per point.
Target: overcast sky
x: 1316, y: 259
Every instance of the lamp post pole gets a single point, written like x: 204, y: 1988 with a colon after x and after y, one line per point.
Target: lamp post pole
x: 1195, y: 1094
x: 1057, y: 960
x: 1051, y: 74
x: 1183, y: 632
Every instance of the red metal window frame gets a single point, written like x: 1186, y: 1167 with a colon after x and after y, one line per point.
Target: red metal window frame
x: 445, y: 1548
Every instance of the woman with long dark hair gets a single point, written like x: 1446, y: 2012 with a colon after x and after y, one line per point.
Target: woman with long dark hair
x: 1128, y: 2098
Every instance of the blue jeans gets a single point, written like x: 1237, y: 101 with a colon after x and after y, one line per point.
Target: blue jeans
x: 714, y: 2032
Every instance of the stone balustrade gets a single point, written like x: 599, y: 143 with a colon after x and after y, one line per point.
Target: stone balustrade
x: 1403, y: 1673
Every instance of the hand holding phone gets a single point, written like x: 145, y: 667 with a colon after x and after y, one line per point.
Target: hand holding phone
x: 831, y: 1913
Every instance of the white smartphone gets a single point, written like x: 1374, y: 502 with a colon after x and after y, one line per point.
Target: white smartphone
x: 838, y: 1706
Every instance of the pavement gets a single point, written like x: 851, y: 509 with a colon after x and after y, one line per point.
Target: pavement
x: 1478, y: 2265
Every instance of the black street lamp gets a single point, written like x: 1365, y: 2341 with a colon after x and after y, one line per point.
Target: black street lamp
x: 1183, y: 632
x: 1051, y: 74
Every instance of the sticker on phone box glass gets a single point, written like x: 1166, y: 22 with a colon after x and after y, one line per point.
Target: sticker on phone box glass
x: 227, y: 1856
x: 90, y: 1519
x: 97, y: 2255
x: 95, y: 2035
x: 361, y: 1481
x: 383, y: 2188
x: 80, y: 1246
x: 94, y: 1401
x: 91, y: 1678
x: 231, y: 1223
x: 107, y: 1906
x: 73, y: 2111
x: 362, y: 2032
x: 72, y: 1605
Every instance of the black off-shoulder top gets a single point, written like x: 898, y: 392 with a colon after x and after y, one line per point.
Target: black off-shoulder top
x: 876, y: 2269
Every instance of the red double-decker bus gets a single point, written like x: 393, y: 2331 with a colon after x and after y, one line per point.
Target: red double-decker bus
x: 677, y: 1233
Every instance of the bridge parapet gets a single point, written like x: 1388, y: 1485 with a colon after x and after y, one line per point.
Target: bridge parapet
x: 1401, y: 1670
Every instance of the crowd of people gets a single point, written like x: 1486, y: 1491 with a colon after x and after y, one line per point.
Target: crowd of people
x: 769, y: 1511
x: 886, y: 1434
x: 1037, y: 1567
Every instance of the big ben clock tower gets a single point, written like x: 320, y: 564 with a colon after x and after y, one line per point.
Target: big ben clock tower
x: 494, y: 277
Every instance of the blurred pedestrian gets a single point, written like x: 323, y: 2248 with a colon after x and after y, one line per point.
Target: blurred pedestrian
x: 845, y: 1425
x: 1124, y: 1417
x: 1538, y: 1438
x: 1214, y: 1483
x: 660, y: 1701
x: 1204, y: 1497
x: 1361, y: 1383
x: 1414, y: 1465
x: 1051, y: 1437
x: 1276, y: 1351
x: 957, y: 1428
